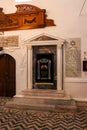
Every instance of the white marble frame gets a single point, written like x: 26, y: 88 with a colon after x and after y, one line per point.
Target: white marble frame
x: 59, y: 44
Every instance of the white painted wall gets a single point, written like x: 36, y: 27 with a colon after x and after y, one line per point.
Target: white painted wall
x: 68, y: 25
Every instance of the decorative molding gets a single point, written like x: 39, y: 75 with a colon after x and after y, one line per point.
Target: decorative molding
x: 75, y: 80
x: 26, y: 17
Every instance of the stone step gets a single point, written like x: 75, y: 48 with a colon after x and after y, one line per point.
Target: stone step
x: 43, y: 93
x: 42, y: 100
x: 46, y: 100
x: 41, y: 104
x: 30, y: 106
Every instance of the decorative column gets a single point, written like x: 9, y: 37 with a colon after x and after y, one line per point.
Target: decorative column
x: 59, y: 65
x: 29, y: 67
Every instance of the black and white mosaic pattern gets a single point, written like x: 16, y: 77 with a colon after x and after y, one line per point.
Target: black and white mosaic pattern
x: 18, y: 119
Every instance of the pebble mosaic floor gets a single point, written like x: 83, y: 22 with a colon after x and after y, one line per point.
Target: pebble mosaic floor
x: 18, y: 119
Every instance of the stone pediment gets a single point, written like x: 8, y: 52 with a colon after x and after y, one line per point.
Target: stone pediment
x: 43, y: 37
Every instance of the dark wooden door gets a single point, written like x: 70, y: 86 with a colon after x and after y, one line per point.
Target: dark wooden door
x: 7, y: 76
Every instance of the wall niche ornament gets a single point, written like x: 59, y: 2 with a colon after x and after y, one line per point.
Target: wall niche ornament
x: 26, y: 17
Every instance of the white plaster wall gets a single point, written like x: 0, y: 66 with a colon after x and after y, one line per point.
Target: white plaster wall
x: 68, y: 25
x: 77, y: 89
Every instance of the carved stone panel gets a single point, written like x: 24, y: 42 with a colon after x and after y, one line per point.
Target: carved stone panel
x: 9, y: 41
x: 73, y: 58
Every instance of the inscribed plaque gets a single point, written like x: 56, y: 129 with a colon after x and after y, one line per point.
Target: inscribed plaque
x: 9, y: 41
x: 73, y: 58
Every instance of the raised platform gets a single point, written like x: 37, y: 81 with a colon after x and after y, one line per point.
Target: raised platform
x: 44, y: 100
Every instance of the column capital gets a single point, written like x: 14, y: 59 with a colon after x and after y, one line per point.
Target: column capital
x: 60, y: 43
x: 29, y: 47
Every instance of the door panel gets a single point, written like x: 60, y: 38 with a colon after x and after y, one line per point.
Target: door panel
x: 7, y: 76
